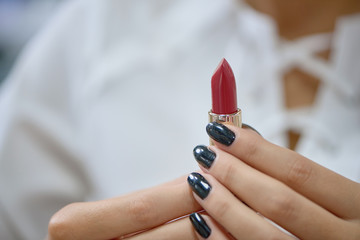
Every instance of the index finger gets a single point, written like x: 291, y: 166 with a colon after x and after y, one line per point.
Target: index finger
x: 321, y: 185
x: 111, y: 218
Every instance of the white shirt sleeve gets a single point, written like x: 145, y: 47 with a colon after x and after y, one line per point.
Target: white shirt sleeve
x: 40, y: 166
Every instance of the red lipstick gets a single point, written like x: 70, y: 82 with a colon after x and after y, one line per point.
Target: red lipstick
x: 224, y: 99
x: 223, y: 89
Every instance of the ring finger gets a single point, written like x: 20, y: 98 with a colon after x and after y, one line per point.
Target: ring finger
x: 237, y: 218
x: 270, y: 197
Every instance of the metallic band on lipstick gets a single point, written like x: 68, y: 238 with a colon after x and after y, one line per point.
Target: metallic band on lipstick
x: 234, y: 118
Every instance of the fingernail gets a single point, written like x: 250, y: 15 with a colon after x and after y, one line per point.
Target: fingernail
x: 220, y: 133
x: 200, y: 225
x: 199, y: 185
x: 204, y: 156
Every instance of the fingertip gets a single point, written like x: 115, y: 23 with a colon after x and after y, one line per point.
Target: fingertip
x: 220, y: 133
x: 204, y: 156
x: 200, y: 225
x: 207, y: 228
x: 199, y: 185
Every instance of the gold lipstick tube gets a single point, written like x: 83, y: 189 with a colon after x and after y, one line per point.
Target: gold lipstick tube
x: 234, y: 119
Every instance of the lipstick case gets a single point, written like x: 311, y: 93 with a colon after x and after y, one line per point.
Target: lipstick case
x: 234, y: 118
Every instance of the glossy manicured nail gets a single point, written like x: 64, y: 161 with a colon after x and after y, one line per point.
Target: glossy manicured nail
x: 204, y: 156
x: 199, y: 185
x: 200, y: 225
x: 220, y: 133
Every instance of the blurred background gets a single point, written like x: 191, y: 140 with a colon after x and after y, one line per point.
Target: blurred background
x: 19, y: 20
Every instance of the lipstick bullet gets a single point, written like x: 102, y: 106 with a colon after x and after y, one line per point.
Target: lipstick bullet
x: 224, y: 98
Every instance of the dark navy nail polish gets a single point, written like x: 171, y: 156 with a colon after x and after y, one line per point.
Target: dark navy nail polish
x: 220, y: 133
x: 204, y: 156
x: 200, y: 225
x: 199, y: 185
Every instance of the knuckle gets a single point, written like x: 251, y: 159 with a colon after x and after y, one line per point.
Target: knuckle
x: 221, y: 209
x: 141, y: 210
x: 300, y: 172
x: 61, y: 223
x: 282, y: 205
x: 228, y: 174
x: 251, y: 147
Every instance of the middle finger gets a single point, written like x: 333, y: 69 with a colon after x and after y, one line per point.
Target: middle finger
x: 315, y: 182
x: 272, y: 198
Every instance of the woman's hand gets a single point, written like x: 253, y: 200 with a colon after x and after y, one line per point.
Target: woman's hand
x: 124, y: 216
x: 247, y: 179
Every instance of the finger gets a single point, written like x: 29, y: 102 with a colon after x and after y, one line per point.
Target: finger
x: 247, y: 126
x: 323, y: 186
x: 120, y: 216
x: 177, y: 230
x: 179, y: 180
x: 207, y: 228
x: 238, y: 219
x: 273, y: 199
